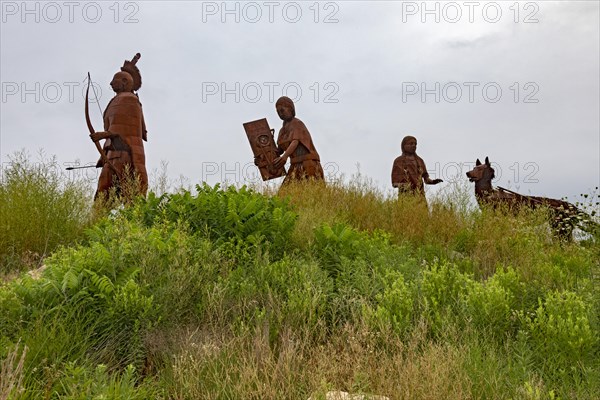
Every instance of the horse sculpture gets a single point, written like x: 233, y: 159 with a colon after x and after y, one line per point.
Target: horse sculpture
x: 563, y: 216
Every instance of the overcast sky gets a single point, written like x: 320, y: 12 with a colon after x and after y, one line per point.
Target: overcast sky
x: 518, y: 82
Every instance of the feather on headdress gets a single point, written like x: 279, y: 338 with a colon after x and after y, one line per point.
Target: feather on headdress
x: 132, y: 69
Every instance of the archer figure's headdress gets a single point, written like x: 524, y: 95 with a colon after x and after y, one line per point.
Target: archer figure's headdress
x: 131, y: 69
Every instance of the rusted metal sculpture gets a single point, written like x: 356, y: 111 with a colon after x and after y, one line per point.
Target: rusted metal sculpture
x: 294, y: 142
x: 409, y: 172
x: 563, y: 216
x: 122, y: 157
x: 261, y: 139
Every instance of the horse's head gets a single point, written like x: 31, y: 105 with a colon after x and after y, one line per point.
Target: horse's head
x: 482, y: 173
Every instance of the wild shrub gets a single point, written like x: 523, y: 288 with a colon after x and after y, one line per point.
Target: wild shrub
x: 489, y: 307
x: 357, y: 262
x: 13, y: 312
x: 239, y: 216
x: 90, y: 290
x: 39, y: 211
x: 129, y: 315
x: 171, y: 263
x: 568, y: 266
x: 560, y: 329
x: 522, y: 296
x: 81, y: 382
x: 333, y: 243
x: 441, y: 291
x: 355, y: 285
x: 395, y: 306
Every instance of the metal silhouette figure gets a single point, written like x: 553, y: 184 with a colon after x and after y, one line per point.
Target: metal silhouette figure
x: 563, y: 216
x: 295, y: 143
x: 409, y: 173
x: 122, y: 156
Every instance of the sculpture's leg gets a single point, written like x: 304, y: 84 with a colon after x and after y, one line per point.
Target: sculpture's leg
x: 139, y: 166
x: 105, y: 182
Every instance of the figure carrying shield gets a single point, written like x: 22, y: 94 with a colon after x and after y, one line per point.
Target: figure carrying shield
x: 263, y: 146
x: 294, y: 142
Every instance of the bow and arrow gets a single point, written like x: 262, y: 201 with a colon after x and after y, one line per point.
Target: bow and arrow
x: 88, y: 120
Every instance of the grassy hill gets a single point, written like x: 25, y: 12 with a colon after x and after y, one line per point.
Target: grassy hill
x: 228, y: 293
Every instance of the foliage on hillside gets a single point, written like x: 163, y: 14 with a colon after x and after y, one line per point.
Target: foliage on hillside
x: 229, y: 293
x: 39, y: 211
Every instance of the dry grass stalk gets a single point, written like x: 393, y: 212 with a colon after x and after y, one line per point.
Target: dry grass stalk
x: 11, y: 373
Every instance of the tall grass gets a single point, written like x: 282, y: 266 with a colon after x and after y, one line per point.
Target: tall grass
x: 39, y: 211
x: 233, y: 294
x: 450, y: 227
x: 365, y: 207
x: 11, y: 372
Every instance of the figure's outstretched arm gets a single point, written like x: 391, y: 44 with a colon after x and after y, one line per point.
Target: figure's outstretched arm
x: 429, y: 181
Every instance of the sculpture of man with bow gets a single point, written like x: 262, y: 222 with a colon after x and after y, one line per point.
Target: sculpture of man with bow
x: 122, y: 157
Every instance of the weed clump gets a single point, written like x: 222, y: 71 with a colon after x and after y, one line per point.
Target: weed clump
x: 39, y: 211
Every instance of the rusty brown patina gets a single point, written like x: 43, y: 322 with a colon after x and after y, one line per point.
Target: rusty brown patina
x: 295, y: 142
x: 563, y: 216
x: 409, y: 173
x: 124, y: 132
x: 262, y: 142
